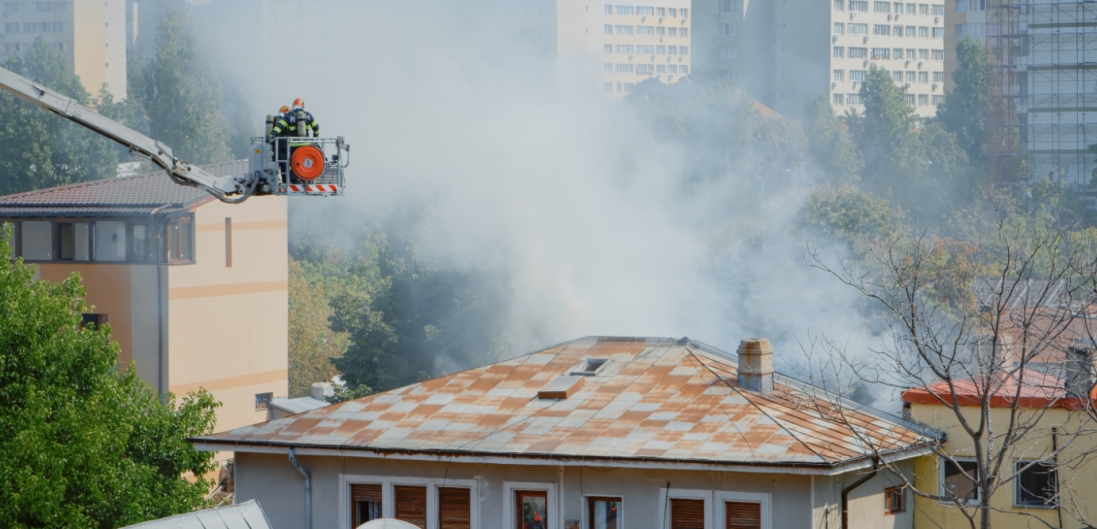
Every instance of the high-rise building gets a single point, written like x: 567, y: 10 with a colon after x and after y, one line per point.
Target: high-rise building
x: 785, y: 52
x: 90, y: 33
x: 963, y: 18
x: 640, y: 42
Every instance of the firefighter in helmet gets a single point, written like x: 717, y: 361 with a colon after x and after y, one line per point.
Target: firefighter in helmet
x: 281, y: 129
x: 296, y: 113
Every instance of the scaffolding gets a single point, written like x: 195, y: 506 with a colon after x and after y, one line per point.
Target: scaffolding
x: 1042, y: 91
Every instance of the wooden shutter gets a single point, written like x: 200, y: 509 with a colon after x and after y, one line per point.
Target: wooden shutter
x: 362, y: 493
x: 411, y: 505
x: 454, y: 508
x: 744, y: 515
x: 687, y: 514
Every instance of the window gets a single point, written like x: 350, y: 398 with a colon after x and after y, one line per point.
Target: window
x: 36, y: 241
x: 609, y: 67
x: 604, y: 513
x: 893, y: 500
x: 608, y: 29
x: 938, y: 55
x: 839, y: 52
x: 645, y: 68
x: 624, y: 68
x: 683, y: 69
x: 454, y: 508
x: 910, y: 77
x: 660, y: 50
x: 938, y: 33
x: 910, y: 99
x: 858, y: 29
x: 897, y: 31
x: 923, y: 100
x: 923, y: 55
x: 661, y: 11
x: 881, y: 30
x: 937, y: 100
x: 645, y: 49
x: 881, y: 7
x: 858, y: 53
x: 683, y: 50
x: 11, y: 7
x: 672, y: 68
x: 938, y: 10
x: 180, y: 237
x: 897, y: 76
x: 858, y: 5
x: 642, y: 11
x: 624, y: 10
x: 727, y: 29
x: 743, y: 515
x: 262, y: 400
x: 1037, y: 485
x: 11, y: 27
x: 912, y: 9
x: 957, y: 480
x: 96, y: 320
x: 624, y: 49
x: 911, y: 52
x: 531, y: 509
x: 607, y: 49
x: 839, y: 5
x: 609, y: 11
x: 687, y: 514
x: 672, y: 32
x: 411, y: 505
x: 683, y: 32
x: 684, y: 12
x: 75, y: 238
x: 853, y: 99
x: 923, y: 9
x: 910, y: 32
x: 623, y: 30
x: 365, y: 503
x: 661, y: 31
x: 923, y: 77
x: 110, y: 241
x: 839, y: 76
x: 923, y: 32
x: 672, y: 12
x: 938, y: 77
x: 897, y: 54
x: 645, y: 31
x: 838, y: 100
x: 898, y: 8
x: 857, y: 75
x: 660, y: 68
x: 881, y: 53
x: 672, y: 50
x: 729, y: 53
x: 839, y: 28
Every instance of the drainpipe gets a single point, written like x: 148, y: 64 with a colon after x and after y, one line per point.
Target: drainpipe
x: 849, y: 489
x: 308, y: 489
x: 159, y: 305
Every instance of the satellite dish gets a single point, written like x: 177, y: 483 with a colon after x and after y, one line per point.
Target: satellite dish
x: 387, y: 523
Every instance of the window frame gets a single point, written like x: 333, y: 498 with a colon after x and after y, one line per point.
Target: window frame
x: 722, y: 498
x: 889, y: 509
x: 353, y: 516
x: 168, y: 256
x: 942, y: 489
x: 666, y: 495
x: 517, y: 495
x: 388, y: 504
x: 1017, y: 464
x: 589, y: 507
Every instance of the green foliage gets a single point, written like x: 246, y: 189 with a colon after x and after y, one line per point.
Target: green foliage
x: 81, y: 444
x: 181, y: 94
x: 313, y: 284
x: 844, y: 213
x: 39, y: 149
x: 888, y: 139
x: 964, y: 111
x: 830, y: 145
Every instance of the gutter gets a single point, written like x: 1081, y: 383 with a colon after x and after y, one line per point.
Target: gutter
x: 308, y: 489
x: 845, y: 492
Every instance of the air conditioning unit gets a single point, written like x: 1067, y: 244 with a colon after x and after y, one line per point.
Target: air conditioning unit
x: 934, y: 86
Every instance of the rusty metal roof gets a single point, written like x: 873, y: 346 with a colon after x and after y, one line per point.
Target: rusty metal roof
x: 657, y: 399
x: 114, y: 197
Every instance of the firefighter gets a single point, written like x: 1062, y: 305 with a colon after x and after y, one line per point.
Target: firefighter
x: 310, y: 122
x: 281, y: 129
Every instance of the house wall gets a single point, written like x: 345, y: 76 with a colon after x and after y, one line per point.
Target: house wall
x: 866, y: 502
x: 229, y: 324
x: 276, y: 484
x: 1077, y: 473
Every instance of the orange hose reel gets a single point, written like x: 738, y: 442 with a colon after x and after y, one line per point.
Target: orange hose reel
x: 307, y: 162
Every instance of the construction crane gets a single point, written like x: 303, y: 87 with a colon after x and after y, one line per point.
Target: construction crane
x: 288, y: 166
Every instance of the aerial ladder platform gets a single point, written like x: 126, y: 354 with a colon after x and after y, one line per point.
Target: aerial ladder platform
x: 296, y: 165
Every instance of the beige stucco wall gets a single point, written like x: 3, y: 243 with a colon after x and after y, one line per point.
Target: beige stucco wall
x: 229, y: 325
x: 1078, y: 484
x: 89, y: 53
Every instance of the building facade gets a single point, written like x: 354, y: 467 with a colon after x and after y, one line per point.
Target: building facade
x: 195, y: 291
x: 596, y: 432
x: 963, y: 18
x: 643, y: 42
x: 90, y: 33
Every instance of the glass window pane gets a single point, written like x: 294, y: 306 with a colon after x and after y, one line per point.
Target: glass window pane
x: 604, y: 513
x: 75, y: 241
x: 37, y: 241
x: 532, y: 510
x: 110, y: 241
x: 144, y: 244
x: 1037, y: 485
x: 957, y: 483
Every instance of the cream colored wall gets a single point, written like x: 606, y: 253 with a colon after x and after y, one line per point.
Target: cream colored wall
x: 614, y: 40
x: 1079, y: 483
x: 229, y: 325
x: 866, y: 502
x: 89, y: 53
x: 114, y: 48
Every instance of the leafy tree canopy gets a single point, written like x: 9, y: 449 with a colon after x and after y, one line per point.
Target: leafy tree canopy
x: 888, y: 137
x: 964, y: 111
x: 830, y: 144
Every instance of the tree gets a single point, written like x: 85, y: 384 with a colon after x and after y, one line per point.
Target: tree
x: 973, y: 326
x: 81, y: 443
x: 888, y: 137
x: 181, y: 94
x: 830, y: 145
x: 964, y: 111
x: 39, y: 149
x: 312, y: 343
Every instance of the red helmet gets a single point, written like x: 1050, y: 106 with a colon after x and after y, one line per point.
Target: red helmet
x: 284, y: 109
x: 298, y: 103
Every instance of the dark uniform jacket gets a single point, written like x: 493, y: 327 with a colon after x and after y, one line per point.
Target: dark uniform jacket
x: 309, y: 124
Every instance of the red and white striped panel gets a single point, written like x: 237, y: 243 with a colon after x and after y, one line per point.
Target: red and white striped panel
x: 313, y: 189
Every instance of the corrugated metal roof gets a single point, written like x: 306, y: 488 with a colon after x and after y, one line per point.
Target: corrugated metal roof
x: 134, y: 195
x: 657, y: 399
x: 298, y: 405
x: 247, y: 515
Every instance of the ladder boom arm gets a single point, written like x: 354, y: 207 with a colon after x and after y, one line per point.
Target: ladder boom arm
x: 160, y: 154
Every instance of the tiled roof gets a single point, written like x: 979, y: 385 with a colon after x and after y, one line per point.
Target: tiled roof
x: 1025, y: 388
x: 127, y: 196
x: 656, y: 400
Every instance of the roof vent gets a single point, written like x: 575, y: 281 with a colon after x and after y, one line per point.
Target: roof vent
x: 561, y: 387
x: 591, y: 367
x: 756, y: 365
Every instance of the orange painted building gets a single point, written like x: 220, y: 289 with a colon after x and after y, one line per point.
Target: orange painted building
x: 195, y: 291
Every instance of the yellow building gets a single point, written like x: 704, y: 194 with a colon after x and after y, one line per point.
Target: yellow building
x: 1051, y: 488
x: 195, y: 291
x: 90, y: 33
x: 644, y: 41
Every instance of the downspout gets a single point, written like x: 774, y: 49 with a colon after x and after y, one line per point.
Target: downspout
x: 159, y: 305
x: 849, y: 489
x: 308, y: 489
x: 1055, y: 460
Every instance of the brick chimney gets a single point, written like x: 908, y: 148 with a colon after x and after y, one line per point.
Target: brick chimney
x: 756, y: 365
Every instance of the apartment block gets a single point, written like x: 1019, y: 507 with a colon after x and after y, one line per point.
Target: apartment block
x: 195, y: 291
x: 734, y: 41
x: 642, y: 42
x: 90, y: 33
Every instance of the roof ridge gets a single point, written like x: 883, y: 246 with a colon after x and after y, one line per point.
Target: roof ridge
x: 74, y: 185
